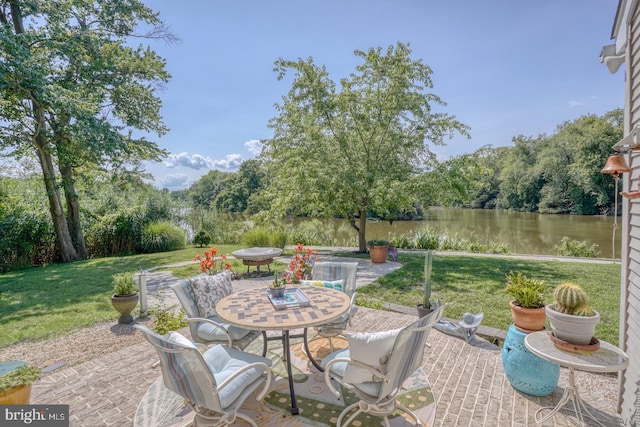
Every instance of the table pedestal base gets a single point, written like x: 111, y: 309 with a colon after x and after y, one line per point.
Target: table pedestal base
x: 570, y: 394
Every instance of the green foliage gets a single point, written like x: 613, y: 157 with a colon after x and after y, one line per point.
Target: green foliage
x: 278, y: 238
x: 527, y: 293
x: 311, y: 233
x: 166, y: 318
x: 162, y: 237
x: 431, y: 239
x: 345, y: 152
x: 576, y: 248
x: 377, y: 242
x: 202, y: 238
x: 21, y: 376
x: 123, y: 284
x: 222, y: 228
x: 87, y: 90
x: 258, y: 237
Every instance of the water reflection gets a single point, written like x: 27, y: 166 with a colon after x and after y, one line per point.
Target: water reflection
x: 523, y: 232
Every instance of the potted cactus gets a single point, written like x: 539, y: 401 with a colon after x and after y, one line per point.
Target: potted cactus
x: 571, y: 317
x: 278, y: 285
x: 427, y: 305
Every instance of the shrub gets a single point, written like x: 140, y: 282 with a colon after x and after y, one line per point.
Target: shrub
x: 162, y: 237
x: 427, y: 239
x: 278, y: 238
x: 257, y: 237
x: 311, y: 233
x: 202, y: 238
x: 576, y: 248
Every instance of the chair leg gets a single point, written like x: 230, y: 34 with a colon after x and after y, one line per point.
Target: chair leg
x: 264, y: 343
x: 409, y: 412
x: 345, y: 411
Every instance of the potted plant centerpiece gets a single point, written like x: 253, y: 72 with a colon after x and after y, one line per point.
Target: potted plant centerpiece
x: 428, y: 305
x: 15, y: 383
x: 527, y: 305
x: 571, y: 317
x: 378, y: 250
x: 125, y: 296
x: 278, y: 286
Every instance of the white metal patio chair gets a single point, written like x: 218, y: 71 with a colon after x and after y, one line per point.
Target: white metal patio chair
x: 332, y: 271
x: 211, y: 329
x: 385, y: 360
x: 215, y: 383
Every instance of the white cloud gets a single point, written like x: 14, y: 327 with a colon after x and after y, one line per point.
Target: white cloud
x: 230, y: 162
x: 254, y: 146
x: 172, y: 182
x: 574, y: 103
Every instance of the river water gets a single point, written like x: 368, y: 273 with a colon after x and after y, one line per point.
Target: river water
x: 523, y: 232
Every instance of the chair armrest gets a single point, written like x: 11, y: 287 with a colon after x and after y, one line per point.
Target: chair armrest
x: 216, y: 324
x: 327, y: 372
x: 257, y: 365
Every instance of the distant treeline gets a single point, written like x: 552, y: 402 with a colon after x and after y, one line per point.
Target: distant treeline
x: 121, y: 214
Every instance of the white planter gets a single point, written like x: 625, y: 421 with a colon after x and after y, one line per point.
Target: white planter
x: 572, y: 329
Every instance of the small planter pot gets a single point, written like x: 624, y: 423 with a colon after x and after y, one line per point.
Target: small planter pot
x: 124, y: 304
x: 528, y: 319
x: 16, y: 395
x: 379, y: 254
x: 422, y: 311
x: 572, y: 329
x: 277, y: 292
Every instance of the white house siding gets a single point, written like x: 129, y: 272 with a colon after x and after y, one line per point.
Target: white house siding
x: 630, y: 290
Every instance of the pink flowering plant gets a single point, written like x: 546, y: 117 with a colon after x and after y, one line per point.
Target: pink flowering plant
x: 301, y: 265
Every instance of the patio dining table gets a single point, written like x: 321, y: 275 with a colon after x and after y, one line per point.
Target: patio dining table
x: 252, y: 309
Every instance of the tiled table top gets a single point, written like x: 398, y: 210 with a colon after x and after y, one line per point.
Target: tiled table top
x: 251, y: 308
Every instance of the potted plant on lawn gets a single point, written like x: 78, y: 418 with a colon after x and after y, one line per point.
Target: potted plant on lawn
x: 125, y: 296
x: 527, y: 305
x: 571, y: 317
x: 378, y: 250
x: 15, y: 384
x: 428, y: 305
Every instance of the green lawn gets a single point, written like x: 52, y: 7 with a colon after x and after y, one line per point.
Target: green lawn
x: 477, y: 284
x: 39, y: 302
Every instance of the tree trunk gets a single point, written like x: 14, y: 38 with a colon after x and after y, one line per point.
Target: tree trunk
x: 63, y: 238
x: 362, y: 228
x: 73, y: 212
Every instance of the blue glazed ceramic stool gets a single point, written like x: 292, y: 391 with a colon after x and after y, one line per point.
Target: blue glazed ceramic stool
x: 527, y: 372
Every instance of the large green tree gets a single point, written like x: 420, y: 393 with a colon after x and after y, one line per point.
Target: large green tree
x: 72, y: 91
x: 360, y: 148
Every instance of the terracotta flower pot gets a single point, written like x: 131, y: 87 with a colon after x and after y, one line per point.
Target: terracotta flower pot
x: 528, y: 319
x: 379, y: 254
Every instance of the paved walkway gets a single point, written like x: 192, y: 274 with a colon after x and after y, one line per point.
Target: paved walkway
x: 468, y: 380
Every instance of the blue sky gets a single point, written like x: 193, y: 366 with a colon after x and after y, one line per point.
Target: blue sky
x: 503, y: 67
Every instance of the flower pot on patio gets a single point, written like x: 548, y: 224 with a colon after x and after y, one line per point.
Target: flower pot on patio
x: 124, y: 304
x: 16, y: 378
x: 378, y: 250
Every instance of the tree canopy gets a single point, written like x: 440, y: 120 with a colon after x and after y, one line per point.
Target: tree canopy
x: 360, y: 148
x: 72, y: 91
